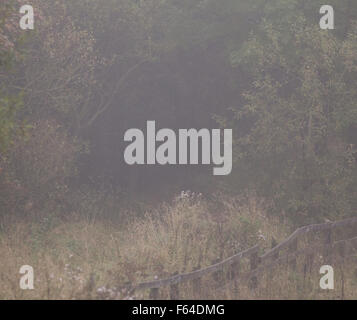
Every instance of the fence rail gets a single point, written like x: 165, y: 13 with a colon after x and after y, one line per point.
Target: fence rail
x: 257, y: 263
x: 198, y: 273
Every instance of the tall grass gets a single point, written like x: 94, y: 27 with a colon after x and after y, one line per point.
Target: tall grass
x: 87, y: 257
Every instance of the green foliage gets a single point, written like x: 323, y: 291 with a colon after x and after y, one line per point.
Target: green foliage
x: 292, y: 142
x: 10, y: 104
x: 95, y: 67
x: 9, y: 126
x: 44, y: 161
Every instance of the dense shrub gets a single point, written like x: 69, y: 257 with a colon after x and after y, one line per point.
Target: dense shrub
x: 41, y: 165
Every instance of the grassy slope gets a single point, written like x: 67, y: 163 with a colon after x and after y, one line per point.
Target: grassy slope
x: 79, y: 257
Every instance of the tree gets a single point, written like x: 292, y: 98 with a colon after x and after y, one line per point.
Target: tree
x: 292, y: 131
x: 10, y: 103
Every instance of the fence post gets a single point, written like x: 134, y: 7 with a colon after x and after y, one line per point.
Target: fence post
x: 309, y: 261
x: 273, y: 258
x: 310, y: 237
x: 254, y: 262
x: 234, y: 274
x: 310, y: 256
x: 174, y: 289
x: 233, y: 270
x: 328, y: 245
x: 343, y: 253
x: 274, y: 243
x: 196, y: 284
x: 154, y: 294
x: 217, y: 275
x: 293, y: 247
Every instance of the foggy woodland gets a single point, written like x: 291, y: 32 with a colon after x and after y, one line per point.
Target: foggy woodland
x: 92, y: 226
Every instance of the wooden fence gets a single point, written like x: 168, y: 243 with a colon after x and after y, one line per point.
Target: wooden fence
x: 261, y: 262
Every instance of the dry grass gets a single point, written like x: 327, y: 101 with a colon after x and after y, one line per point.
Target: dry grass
x: 88, y: 258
